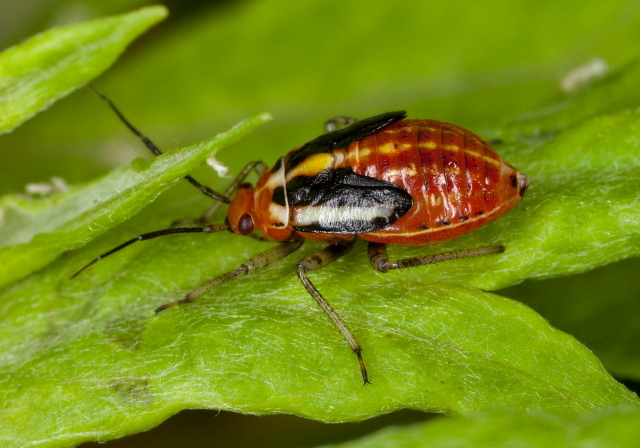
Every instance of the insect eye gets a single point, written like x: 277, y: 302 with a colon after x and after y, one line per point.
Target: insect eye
x: 245, y: 225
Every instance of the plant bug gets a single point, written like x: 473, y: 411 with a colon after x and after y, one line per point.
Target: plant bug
x: 384, y: 179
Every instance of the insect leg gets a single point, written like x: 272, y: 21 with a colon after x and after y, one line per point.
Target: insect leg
x: 380, y: 260
x: 315, y: 262
x: 248, y: 267
x: 259, y: 168
x: 338, y: 122
x: 154, y: 149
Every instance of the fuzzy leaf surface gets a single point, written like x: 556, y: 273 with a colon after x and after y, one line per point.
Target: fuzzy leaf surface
x: 93, y: 357
x: 431, y: 340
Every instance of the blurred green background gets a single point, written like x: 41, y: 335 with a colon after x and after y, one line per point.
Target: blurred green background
x: 478, y: 64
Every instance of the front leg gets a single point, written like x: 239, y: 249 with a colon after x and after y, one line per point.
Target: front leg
x: 318, y: 261
x: 258, y: 166
x: 248, y: 267
x: 207, y: 217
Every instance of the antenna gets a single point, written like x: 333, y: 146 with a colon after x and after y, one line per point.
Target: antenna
x: 154, y: 149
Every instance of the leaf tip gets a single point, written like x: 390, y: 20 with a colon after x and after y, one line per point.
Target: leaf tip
x: 154, y: 12
x: 264, y: 117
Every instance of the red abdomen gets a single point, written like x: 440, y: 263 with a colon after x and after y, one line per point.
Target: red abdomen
x: 456, y: 180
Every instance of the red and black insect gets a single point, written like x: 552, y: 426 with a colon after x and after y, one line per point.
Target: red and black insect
x: 384, y: 179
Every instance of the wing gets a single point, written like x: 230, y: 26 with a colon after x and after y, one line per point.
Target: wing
x: 342, y: 202
x: 342, y: 137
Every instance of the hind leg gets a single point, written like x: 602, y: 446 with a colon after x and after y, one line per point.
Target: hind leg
x: 380, y: 260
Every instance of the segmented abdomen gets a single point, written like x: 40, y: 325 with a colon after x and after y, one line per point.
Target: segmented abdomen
x: 456, y: 180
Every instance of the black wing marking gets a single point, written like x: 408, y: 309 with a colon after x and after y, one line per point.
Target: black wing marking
x: 342, y: 137
x: 342, y: 202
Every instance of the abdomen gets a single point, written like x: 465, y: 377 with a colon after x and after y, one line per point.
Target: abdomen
x: 456, y: 180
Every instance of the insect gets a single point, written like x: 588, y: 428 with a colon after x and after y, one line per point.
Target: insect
x: 384, y: 179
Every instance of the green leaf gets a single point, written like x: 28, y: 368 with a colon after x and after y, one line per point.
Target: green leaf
x: 36, y: 231
x: 50, y: 65
x: 600, y: 308
x: 610, y: 427
x: 430, y: 345
x: 260, y: 345
x: 94, y: 359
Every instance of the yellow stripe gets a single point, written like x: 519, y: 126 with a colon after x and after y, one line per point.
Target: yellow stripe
x: 407, y: 129
x: 364, y: 152
x: 427, y: 145
x: 394, y: 148
x: 487, y: 159
x: 312, y: 165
